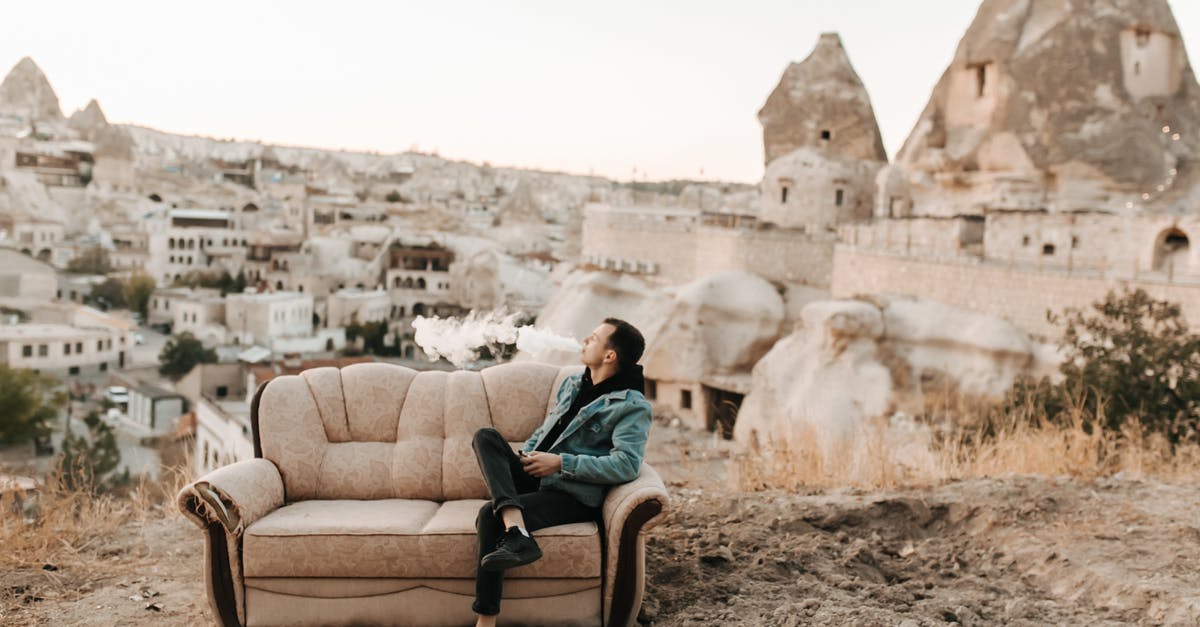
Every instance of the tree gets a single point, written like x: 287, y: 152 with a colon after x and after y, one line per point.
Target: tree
x: 92, y: 261
x: 138, y: 291
x: 225, y: 283
x: 181, y: 353
x: 1127, y: 358
x: 87, y: 462
x: 393, y: 196
x: 373, y: 335
x: 197, y: 278
x: 28, y: 402
x: 110, y: 293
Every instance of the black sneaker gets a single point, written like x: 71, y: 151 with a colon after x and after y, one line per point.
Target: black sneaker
x: 514, y: 549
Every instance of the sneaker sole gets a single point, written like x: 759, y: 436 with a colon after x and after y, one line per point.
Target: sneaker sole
x: 499, y: 563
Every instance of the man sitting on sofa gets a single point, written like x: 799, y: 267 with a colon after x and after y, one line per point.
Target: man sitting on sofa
x: 593, y: 438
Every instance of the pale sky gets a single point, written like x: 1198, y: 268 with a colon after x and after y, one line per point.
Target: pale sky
x: 669, y: 88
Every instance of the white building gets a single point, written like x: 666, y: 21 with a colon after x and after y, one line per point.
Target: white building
x: 222, y: 433
x: 202, y: 315
x: 165, y: 301
x: 23, y: 280
x: 153, y: 410
x: 61, y: 349
x: 354, y: 305
x: 35, y: 238
x: 262, y: 318
x: 181, y: 241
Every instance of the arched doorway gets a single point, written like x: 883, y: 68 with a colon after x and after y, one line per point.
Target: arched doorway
x: 1171, y: 251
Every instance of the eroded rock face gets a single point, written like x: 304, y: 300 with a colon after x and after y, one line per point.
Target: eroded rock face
x: 585, y: 298
x: 851, y: 362
x: 719, y: 324
x: 27, y: 93
x: 821, y: 103
x: 1059, y: 104
x: 90, y: 121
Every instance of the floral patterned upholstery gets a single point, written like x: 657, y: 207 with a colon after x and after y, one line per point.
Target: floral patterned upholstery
x: 367, y: 480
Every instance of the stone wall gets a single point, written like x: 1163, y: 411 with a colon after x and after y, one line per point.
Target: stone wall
x: 1098, y: 242
x: 1017, y: 293
x: 673, y: 247
x: 941, y: 236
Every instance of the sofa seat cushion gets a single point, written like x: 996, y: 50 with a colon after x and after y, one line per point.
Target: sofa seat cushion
x: 399, y: 538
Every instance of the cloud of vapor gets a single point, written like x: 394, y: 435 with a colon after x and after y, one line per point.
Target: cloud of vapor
x: 459, y: 341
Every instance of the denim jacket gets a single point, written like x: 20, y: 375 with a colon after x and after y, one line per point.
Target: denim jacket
x: 604, y: 444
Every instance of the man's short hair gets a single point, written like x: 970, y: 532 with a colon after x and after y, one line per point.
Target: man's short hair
x: 627, y: 341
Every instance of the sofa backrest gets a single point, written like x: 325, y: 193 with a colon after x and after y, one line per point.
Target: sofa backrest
x: 373, y: 430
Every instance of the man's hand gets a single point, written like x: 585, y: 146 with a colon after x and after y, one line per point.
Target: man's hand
x: 540, y: 464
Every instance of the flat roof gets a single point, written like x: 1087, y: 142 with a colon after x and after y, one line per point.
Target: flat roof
x: 357, y: 294
x: 13, y: 261
x: 270, y: 296
x: 153, y: 391
x: 210, y: 214
x: 30, y: 331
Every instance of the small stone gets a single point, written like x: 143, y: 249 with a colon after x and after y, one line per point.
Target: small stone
x: 718, y: 555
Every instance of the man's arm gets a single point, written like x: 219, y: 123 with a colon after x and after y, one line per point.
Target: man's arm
x: 624, y: 462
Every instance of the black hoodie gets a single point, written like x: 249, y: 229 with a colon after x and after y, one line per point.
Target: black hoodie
x: 625, y: 379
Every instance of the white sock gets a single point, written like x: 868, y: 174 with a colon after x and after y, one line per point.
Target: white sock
x: 521, y: 529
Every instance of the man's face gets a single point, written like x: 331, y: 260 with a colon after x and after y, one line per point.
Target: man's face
x: 595, y: 347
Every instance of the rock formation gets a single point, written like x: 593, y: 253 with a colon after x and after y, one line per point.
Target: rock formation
x: 27, y: 93
x: 821, y: 103
x: 1059, y: 105
x: 850, y: 362
x: 89, y: 121
x: 720, y: 324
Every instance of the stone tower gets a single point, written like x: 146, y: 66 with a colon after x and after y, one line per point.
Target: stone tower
x: 822, y: 143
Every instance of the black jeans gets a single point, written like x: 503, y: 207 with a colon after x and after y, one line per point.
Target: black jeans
x: 509, y: 484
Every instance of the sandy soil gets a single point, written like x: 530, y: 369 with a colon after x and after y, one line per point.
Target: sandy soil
x: 1012, y: 551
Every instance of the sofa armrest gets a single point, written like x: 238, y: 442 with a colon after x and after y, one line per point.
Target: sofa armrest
x: 223, y: 503
x: 234, y: 496
x: 629, y: 510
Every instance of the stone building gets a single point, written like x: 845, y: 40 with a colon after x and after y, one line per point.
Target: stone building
x: 1032, y: 183
x: 24, y: 280
x: 822, y: 144
x: 418, y: 278
x: 823, y: 153
x: 61, y: 349
x: 263, y: 317
x: 186, y: 240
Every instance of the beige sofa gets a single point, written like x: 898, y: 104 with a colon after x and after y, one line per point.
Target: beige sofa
x: 360, y: 506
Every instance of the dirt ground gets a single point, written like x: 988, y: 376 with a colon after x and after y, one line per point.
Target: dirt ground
x: 1018, y: 550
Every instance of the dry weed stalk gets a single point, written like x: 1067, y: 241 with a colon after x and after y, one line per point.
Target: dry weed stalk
x: 969, y: 439
x: 56, y: 523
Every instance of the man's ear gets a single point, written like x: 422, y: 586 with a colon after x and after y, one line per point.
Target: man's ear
x: 610, y: 356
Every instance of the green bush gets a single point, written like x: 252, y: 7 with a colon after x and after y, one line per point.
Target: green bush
x: 1128, y: 359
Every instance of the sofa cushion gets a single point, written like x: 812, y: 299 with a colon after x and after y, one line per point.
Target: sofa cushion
x: 398, y: 538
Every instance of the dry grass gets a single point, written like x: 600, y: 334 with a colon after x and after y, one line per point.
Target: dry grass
x: 965, y: 439
x: 61, y: 526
